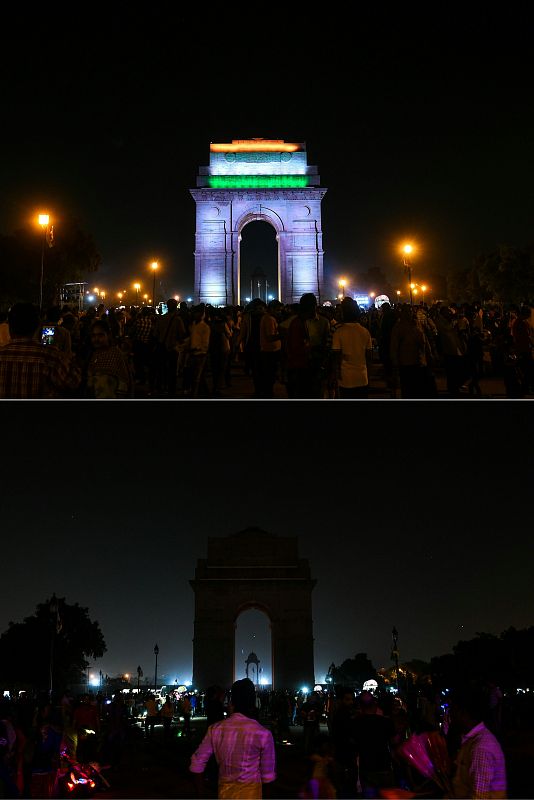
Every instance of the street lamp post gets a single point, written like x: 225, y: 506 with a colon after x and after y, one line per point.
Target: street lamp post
x: 44, y: 219
x: 137, y: 287
x: 407, y: 249
x: 395, y: 655
x: 156, y: 652
x: 330, y: 681
x: 154, y: 265
x: 342, y: 284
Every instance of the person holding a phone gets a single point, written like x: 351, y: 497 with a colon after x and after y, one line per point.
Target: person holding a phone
x: 29, y: 368
x: 60, y: 336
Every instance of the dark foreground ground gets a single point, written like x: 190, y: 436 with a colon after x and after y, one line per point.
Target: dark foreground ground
x: 242, y: 388
x: 159, y: 769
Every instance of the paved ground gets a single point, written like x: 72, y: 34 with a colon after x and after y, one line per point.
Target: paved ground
x: 158, y: 769
x: 242, y: 387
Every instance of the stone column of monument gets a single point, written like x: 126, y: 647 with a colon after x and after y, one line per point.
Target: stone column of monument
x: 213, y: 253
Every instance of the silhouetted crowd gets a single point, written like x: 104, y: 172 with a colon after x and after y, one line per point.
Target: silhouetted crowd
x: 346, y: 743
x: 296, y: 351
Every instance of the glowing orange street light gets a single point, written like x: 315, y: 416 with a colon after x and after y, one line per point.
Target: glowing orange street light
x: 342, y: 284
x: 407, y: 249
x: 137, y: 287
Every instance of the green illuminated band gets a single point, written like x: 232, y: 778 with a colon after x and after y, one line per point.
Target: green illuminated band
x: 257, y: 181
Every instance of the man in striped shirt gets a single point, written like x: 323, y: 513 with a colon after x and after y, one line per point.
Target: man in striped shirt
x: 28, y: 368
x: 243, y: 749
x: 480, y: 764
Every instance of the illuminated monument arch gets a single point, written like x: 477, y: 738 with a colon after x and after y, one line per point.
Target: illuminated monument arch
x: 249, y: 180
x: 253, y: 569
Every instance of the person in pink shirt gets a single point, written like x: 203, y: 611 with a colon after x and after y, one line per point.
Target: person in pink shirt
x: 243, y: 749
x: 480, y: 770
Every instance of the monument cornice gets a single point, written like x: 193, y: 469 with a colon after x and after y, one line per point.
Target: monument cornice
x: 221, y: 195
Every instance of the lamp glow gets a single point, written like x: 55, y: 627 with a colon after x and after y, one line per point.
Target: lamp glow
x: 255, y: 146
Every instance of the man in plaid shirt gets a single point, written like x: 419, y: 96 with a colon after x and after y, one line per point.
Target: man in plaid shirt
x: 243, y: 749
x: 480, y: 765
x: 30, y: 369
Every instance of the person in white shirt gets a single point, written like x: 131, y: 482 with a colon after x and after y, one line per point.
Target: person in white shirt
x: 352, y: 349
x: 199, y: 342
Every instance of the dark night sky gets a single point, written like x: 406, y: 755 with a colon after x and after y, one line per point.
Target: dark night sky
x: 416, y: 515
x: 412, y: 514
x: 421, y: 124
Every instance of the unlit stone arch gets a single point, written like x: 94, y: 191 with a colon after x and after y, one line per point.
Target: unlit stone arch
x: 253, y: 569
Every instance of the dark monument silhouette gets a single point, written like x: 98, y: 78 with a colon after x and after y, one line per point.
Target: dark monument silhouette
x: 253, y: 569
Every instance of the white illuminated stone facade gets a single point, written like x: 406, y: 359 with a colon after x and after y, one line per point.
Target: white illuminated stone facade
x: 253, y: 180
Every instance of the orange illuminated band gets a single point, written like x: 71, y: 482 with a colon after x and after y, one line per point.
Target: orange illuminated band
x: 256, y: 146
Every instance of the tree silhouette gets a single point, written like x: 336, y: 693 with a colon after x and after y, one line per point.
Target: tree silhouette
x: 62, y: 635
x: 73, y: 257
x: 355, y: 671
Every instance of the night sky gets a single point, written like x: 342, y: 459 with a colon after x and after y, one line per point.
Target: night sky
x: 421, y: 123
x: 412, y: 514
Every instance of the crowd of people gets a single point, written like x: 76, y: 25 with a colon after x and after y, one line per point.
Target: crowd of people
x: 365, y: 752
x: 309, y: 351
x: 350, y: 744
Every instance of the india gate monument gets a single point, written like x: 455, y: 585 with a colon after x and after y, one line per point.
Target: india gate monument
x: 249, y: 180
x: 253, y: 569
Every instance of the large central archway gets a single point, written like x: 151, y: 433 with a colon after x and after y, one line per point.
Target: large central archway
x: 258, y: 264
x: 257, y: 179
x: 253, y: 569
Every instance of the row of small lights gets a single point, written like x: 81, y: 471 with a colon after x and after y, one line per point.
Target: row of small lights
x: 94, y: 680
x: 101, y: 294
x: 44, y: 222
x: 407, y: 249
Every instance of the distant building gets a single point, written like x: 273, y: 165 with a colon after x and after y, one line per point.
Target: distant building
x: 73, y: 294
